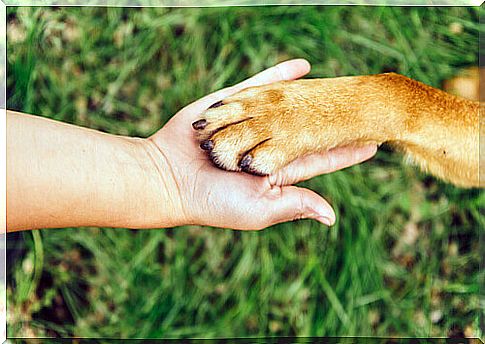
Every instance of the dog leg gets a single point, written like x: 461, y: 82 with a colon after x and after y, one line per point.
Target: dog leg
x: 261, y: 129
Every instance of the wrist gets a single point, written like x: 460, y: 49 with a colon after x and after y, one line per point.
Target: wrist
x: 161, y: 196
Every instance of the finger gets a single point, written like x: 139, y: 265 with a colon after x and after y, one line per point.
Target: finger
x: 288, y: 70
x: 316, y: 164
x: 294, y: 203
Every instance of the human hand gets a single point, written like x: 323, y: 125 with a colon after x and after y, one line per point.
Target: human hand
x: 205, y: 195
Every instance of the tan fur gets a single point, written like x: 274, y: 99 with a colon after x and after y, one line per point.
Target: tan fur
x: 277, y: 123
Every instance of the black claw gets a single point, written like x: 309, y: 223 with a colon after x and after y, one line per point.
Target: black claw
x: 215, y: 105
x: 200, y: 124
x: 207, y: 145
x: 246, y: 162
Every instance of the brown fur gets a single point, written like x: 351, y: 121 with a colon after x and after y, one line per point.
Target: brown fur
x: 277, y: 123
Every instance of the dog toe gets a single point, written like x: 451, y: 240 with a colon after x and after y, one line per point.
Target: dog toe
x: 265, y: 158
x: 218, y: 116
x: 231, y: 143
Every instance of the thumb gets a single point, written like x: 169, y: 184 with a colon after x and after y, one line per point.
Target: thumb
x: 293, y: 203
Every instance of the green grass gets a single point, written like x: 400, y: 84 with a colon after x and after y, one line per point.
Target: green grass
x: 402, y: 260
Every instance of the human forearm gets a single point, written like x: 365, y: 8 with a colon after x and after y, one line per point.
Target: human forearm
x: 59, y: 175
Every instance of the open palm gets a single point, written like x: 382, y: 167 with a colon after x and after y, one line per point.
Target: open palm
x: 211, y: 196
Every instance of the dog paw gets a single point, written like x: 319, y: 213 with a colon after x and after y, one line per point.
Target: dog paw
x: 259, y: 129
x: 262, y: 129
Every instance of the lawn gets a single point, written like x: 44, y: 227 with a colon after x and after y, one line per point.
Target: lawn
x: 402, y: 260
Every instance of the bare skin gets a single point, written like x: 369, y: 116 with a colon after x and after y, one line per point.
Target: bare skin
x: 261, y: 129
x: 59, y: 175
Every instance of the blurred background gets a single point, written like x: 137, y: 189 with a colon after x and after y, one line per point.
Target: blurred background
x: 402, y: 260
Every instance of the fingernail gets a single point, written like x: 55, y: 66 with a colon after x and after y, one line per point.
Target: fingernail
x: 370, y: 149
x: 325, y: 220
x: 217, y: 104
x: 207, y: 145
x: 246, y: 161
x: 200, y: 124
